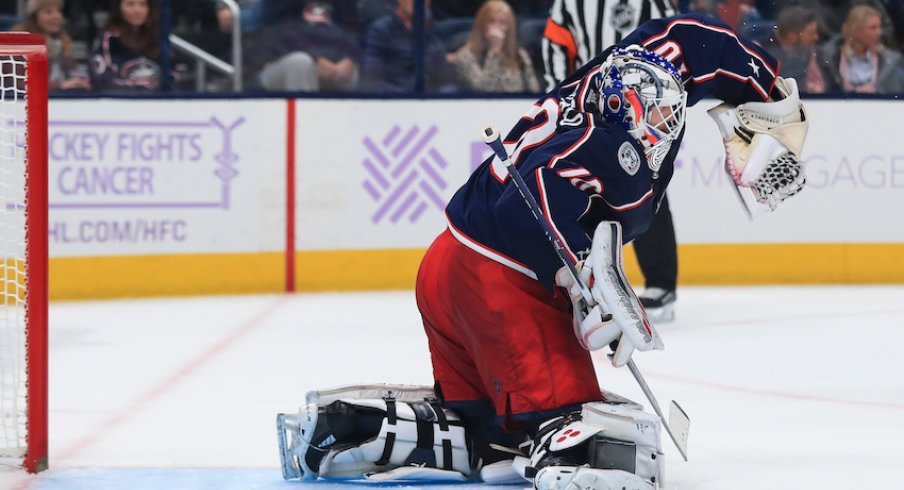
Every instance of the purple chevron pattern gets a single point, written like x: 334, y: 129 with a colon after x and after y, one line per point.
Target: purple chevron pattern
x: 404, y: 174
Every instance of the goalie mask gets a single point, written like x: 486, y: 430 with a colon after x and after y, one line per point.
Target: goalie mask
x: 642, y: 92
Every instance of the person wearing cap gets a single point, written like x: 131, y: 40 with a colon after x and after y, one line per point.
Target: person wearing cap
x: 45, y: 17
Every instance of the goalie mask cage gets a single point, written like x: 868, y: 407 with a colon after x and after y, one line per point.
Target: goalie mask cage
x: 23, y: 245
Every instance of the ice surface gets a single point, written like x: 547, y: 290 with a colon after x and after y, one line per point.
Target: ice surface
x: 786, y: 387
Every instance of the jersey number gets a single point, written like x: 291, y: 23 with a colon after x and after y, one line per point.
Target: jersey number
x: 537, y: 133
x: 671, y: 51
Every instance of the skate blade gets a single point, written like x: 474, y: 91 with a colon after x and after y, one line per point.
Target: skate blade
x: 661, y: 315
x: 290, y: 468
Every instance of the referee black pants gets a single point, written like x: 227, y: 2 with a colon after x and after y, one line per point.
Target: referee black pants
x: 657, y: 251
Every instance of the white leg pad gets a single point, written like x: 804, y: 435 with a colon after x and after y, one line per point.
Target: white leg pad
x: 617, y: 437
x: 633, y: 426
x: 586, y: 478
x: 397, y: 445
x: 402, y: 393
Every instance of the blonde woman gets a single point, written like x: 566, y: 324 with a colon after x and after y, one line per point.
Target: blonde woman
x: 45, y: 17
x: 857, y: 61
x: 491, y: 61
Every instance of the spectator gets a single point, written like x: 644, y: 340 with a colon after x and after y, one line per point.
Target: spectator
x: 834, y: 12
x: 389, y: 54
x: 45, y: 17
x: 794, y: 45
x: 344, y: 13
x: 752, y: 24
x: 306, y: 52
x: 708, y: 7
x: 371, y: 10
x: 126, y: 57
x: 491, y: 60
x: 857, y: 61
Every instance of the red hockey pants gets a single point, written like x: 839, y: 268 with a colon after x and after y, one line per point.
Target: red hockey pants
x: 498, y: 335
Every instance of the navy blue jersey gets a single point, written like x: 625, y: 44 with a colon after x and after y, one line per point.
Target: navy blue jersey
x: 583, y: 169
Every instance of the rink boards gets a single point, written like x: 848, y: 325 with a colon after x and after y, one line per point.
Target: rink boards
x: 164, y: 197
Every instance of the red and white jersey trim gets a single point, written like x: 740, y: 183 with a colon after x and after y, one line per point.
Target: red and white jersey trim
x: 631, y: 205
x: 727, y: 32
x: 741, y: 78
x: 574, y: 146
x: 752, y: 80
x: 488, y: 252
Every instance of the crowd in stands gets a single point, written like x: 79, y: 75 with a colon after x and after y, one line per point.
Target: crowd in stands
x: 370, y: 46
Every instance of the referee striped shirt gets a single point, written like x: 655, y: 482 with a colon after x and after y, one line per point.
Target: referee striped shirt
x: 579, y: 30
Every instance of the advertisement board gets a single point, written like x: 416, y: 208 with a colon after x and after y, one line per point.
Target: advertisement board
x: 855, y: 182
x: 160, y: 177
x: 373, y: 177
x: 166, y: 196
x: 152, y: 197
x: 378, y: 174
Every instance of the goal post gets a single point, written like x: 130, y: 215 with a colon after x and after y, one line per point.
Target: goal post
x: 24, y: 249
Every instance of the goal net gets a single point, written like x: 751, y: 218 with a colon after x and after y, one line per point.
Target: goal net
x: 23, y: 251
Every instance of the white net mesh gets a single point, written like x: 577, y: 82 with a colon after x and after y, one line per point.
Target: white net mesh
x: 12, y: 258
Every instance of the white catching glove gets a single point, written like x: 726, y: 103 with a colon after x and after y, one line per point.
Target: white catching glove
x: 763, y: 143
x: 616, y: 313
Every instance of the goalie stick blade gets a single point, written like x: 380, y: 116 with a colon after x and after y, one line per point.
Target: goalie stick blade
x: 680, y: 424
x: 290, y: 469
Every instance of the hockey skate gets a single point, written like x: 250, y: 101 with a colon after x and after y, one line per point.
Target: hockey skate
x: 301, y: 446
x: 586, y: 478
x: 659, y: 304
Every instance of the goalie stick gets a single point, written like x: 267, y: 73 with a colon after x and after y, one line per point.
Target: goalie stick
x: 677, y: 416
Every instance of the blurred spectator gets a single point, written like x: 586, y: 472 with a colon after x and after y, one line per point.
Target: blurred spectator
x: 834, y: 12
x: 794, y: 46
x: 389, y: 54
x: 491, y: 60
x: 225, y: 18
x: 708, y: 7
x: 371, y: 10
x: 735, y: 12
x: 306, y: 52
x: 752, y: 24
x: 45, y: 17
x: 857, y: 61
x: 126, y: 57
x: 344, y: 13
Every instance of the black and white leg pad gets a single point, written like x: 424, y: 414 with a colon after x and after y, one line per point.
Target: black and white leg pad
x: 617, y: 443
x: 403, y: 434
x: 417, y: 440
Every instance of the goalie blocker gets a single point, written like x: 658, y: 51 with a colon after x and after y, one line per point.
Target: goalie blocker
x: 396, y: 432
